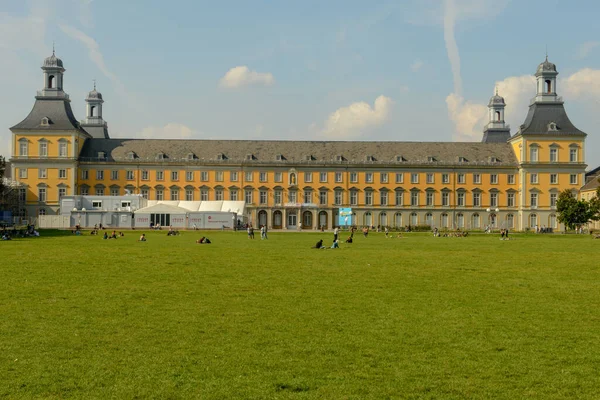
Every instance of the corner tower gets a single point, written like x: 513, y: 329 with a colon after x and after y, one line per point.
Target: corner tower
x: 550, y: 151
x: 93, y: 123
x: 496, y: 131
x: 46, y: 145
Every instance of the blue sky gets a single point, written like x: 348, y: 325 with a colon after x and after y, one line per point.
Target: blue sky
x: 341, y: 70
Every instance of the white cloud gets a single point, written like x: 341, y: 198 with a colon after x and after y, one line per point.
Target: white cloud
x: 468, y: 118
x: 416, y: 65
x: 93, y: 49
x: 242, y: 76
x: 583, y: 83
x: 172, y: 130
x: 585, y: 49
x: 355, y: 119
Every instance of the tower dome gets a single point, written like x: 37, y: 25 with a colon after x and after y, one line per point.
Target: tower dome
x: 546, y: 67
x: 53, y: 62
x: 94, y: 95
x: 496, y: 100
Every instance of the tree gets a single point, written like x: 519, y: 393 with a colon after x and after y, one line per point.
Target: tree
x: 2, y: 167
x: 574, y: 213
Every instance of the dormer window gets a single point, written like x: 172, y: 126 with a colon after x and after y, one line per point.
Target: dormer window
x: 462, y: 159
x: 101, y: 155
x: 431, y: 159
x: 552, y: 126
x: 131, y: 155
x: 370, y: 158
x: 309, y: 158
x: 279, y: 157
x: 250, y: 157
x: 400, y: 159
x: 221, y: 156
x: 160, y: 156
x: 191, y: 156
x: 45, y: 121
x: 494, y: 159
x: 339, y: 158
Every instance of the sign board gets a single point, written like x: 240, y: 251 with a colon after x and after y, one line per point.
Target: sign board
x: 345, y: 217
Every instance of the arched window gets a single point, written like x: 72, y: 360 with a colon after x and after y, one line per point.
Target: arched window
x: 548, y: 86
x: 444, y: 220
x: 497, y: 115
x: 398, y: 220
x: 383, y: 219
x: 532, y: 221
x: 429, y: 219
x: 510, y: 221
x: 368, y: 219
x: 475, y: 224
x: 93, y: 111
x: 51, y: 82
x: 460, y: 220
x: 42, y: 211
x: 552, y: 221
x: 414, y: 219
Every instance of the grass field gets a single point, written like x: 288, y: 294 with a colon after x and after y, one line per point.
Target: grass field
x: 418, y: 317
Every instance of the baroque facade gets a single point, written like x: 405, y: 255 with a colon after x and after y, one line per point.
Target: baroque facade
x: 509, y: 181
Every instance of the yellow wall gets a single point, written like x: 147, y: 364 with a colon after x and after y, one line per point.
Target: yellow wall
x: 376, y: 185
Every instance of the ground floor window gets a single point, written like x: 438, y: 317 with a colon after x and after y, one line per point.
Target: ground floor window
x: 368, y: 219
x: 552, y: 221
x: 532, y: 220
x: 398, y: 220
x: 444, y: 220
x: 475, y: 224
x: 510, y: 221
x: 414, y: 219
x: 277, y: 217
x: 307, y: 219
x: 460, y: 221
x: 383, y: 219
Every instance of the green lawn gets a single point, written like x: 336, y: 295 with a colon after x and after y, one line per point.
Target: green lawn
x: 418, y: 317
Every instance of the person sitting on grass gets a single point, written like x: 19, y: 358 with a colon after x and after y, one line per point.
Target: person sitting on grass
x: 349, y: 240
x: 142, y: 238
x: 318, y: 245
x: 105, y: 236
x: 113, y: 235
x: 121, y: 234
x: 203, y: 240
x: 335, y: 245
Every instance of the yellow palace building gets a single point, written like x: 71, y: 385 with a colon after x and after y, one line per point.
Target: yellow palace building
x: 510, y: 181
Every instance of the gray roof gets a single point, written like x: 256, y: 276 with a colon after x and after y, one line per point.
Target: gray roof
x: 541, y: 115
x: 58, y: 111
x: 300, y: 152
x: 592, y: 183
